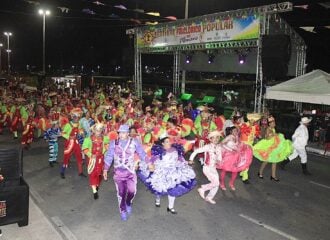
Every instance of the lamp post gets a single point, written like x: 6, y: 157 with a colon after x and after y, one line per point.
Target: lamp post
x: 44, y: 13
x: 186, y: 10
x: 1, y: 45
x: 8, y: 34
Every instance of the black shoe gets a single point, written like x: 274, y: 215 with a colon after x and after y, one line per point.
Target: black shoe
x: 82, y: 175
x: 274, y: 179
x: 15, y: 137
x: 283, y: 163
x: 304, y: 168
x: 171, y: 210
x: 246, y: 181
x: 51, y: 164
x: 157, y: 204
x: 260, y: 176
x: 62, y: 175
x: 96, y: 195
x: 307, y: 173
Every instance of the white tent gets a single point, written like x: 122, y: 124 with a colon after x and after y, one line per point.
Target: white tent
x: 313, y: 87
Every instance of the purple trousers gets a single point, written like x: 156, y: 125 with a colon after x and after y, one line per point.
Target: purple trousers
x: 125, y: 182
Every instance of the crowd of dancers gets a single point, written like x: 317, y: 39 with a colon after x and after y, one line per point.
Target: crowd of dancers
x: 156, y: 142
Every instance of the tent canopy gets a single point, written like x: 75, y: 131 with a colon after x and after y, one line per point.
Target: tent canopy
x: 313, y: 87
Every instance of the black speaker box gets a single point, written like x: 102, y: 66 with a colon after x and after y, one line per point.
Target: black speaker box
x: 276, y: 53
x: 14, y: 204
x: 11, y: 166
x: 276, y: 46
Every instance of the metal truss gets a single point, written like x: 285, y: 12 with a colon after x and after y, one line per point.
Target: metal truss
x: 259, y: 73
x: 137, y: 70
x: 176, y: 73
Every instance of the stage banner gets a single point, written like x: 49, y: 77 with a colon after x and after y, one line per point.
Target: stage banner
x: 205, y: 29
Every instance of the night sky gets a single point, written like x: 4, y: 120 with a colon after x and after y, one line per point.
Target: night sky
x: 81, y: 38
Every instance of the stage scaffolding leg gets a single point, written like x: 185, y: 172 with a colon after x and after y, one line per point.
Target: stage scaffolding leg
x: 137, y: 71
x: 183, y: 82
x: 176, y: 73
x: 259, y: 76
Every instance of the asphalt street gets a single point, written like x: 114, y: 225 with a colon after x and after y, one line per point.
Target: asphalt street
x: 297, y: 207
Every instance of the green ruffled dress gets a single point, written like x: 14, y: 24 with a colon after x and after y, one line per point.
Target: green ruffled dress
x: 273, y: 150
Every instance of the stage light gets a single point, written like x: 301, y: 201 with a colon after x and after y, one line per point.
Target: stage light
x: 188, y: 59
x: 241, y: 59
x: 211, y: 59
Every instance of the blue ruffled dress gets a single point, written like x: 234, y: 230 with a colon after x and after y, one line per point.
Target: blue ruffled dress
x: 172, y: 175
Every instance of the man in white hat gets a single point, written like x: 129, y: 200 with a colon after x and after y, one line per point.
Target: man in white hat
x: 121, y: 152
x: 300, y: 140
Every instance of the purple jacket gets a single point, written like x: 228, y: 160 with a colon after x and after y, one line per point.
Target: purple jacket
x: 121, y: 152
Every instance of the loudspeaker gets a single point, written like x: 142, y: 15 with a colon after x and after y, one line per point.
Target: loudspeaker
x: 276, y: 53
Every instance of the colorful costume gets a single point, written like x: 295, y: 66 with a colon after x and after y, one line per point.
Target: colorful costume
x: 203, y: 126
x: 28, y: 132
x: 121, y: 152
x: 51, y: 135
x: 236, y: 156
x: 15, y: 121
x: 72, y: 134
x: 94, y: 147
x: 250, y: 131
x: 172, y: 175
x: 273, y: 150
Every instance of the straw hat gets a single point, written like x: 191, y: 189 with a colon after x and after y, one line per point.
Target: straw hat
x: 76, y: 112
x: 156, y: 102
x: 202, y: 108
x: 20, y: 99
x: 52, y: 94
x: 55, y: 122
x: 253, y: 116
x: 214, y: 134
x: 98, y: 127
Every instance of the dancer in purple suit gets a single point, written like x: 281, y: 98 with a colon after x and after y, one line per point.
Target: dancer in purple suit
x: 121, y: 152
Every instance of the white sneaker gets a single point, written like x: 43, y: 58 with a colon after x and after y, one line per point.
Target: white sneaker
x: 210, y: 200
x: 201, y: 192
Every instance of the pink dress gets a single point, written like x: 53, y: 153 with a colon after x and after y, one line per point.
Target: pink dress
x: 236, y: 156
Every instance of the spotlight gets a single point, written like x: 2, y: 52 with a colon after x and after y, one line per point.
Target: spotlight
x: 188, y: 59
x: 241, y: 59
x: 211, y: 59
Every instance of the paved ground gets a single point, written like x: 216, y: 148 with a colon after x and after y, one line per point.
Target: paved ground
x: 295, y: 208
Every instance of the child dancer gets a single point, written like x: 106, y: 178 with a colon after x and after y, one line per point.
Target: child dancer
x: 212, y: 154
x: 51, y: 135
